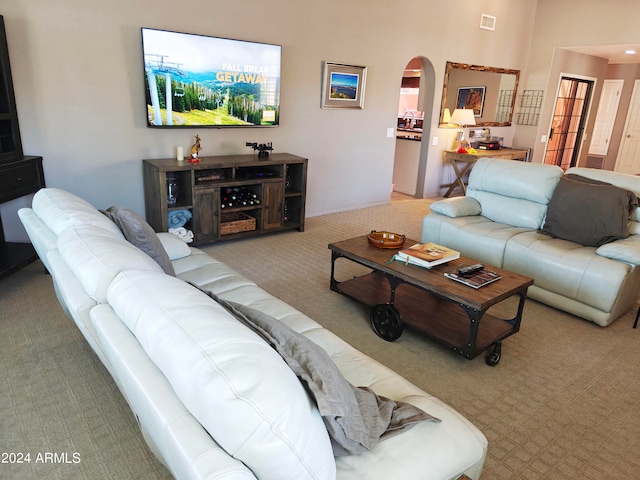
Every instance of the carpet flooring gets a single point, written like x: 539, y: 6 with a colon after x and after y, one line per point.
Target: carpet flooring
x: 559, y: 405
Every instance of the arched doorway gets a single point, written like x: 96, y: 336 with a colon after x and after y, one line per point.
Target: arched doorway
x: 415, y: 111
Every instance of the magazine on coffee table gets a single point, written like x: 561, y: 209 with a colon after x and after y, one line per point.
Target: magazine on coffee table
x: 476, y: 279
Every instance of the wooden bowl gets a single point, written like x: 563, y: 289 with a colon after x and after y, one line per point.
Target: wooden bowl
x: 385, y: 239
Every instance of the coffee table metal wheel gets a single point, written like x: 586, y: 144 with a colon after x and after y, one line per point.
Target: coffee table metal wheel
x: 386, y: 321
x: 494, y: 357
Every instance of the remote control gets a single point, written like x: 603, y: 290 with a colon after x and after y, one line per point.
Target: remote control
x: 470, y: 269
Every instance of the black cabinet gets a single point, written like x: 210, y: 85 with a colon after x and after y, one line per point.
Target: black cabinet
x: 18, y: 178
x: 19, y: 175
x: 10, y: 143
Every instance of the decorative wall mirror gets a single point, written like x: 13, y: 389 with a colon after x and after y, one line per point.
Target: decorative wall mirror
x: 489, y: 91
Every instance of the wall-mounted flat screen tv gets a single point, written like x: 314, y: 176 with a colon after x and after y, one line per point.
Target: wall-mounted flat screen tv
x: 202, y: 81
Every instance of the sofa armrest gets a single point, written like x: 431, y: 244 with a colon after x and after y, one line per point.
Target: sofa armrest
x: 626, y: 250
x: 42, y: 237
x: 457, y: 207
x: 175, y: 247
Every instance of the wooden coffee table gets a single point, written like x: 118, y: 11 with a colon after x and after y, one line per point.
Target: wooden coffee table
x: 442, y: 309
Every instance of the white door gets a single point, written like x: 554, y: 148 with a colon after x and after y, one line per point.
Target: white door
x: 628, y: 160
x: 606, y: 116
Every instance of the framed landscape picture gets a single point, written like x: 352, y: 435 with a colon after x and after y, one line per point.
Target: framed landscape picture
x: 343, y: 85
x: 471, y: 98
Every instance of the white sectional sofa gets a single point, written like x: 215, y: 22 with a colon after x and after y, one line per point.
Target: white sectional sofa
x: 499, y: 222
x: 213, y: 400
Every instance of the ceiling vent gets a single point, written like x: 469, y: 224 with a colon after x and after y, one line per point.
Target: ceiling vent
x: 488, y: 22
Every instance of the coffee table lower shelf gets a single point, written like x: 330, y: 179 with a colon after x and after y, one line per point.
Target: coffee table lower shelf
x: 467, y: 331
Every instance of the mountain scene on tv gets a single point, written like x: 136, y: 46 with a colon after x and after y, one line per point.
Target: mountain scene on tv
x: 194, y: 80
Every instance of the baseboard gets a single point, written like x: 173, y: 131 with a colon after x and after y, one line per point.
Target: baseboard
x: 340, y: 210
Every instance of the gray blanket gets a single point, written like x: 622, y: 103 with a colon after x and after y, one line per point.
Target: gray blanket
x: 356, y: 418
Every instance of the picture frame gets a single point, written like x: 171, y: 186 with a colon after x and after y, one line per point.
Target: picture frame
x: 471, y: 98
x: 343, y: 85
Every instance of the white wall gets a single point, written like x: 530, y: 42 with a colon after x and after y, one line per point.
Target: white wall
x: 77, y: 70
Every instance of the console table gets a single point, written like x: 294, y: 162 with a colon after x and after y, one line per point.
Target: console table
x: 466, y: 160
x: 273, y: 194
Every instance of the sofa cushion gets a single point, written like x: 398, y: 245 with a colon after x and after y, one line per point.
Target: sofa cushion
x: 137, y: 231
x: 626, y: 250
x: 232, y: 382
x: 567, y: 269
x: 96, y: 256
x: 588, y: 212
x: 475, y: 236
x: 59, y: 209
x: 512, y: 192
x: 173, y: 434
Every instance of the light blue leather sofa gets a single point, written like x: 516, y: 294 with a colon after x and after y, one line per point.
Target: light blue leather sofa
x: 498, y: 223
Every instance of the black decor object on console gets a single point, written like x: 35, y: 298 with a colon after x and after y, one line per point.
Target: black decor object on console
x: 262, y: 148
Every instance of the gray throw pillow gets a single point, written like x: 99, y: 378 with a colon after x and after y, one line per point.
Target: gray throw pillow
x: 138, y: 232
x: 588, y: 212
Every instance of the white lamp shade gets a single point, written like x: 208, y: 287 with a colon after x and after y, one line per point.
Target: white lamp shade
x: 446, y: 116
x: 463, y: 116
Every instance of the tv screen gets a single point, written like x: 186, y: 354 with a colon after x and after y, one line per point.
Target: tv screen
x: 201, y: 81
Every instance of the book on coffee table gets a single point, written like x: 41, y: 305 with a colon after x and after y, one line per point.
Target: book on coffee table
x: 476, y: 279
x: 427, y: 255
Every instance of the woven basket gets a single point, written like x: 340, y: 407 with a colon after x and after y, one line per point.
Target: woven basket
x: 236, y: 222
x: 385, y: 239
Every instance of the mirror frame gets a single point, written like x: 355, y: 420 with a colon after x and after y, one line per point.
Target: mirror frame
x: 480, y: 68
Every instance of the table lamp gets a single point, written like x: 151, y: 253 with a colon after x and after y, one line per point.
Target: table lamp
x: 446, y: 118
x: 462, y: 117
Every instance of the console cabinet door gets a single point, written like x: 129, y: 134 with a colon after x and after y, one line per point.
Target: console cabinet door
x: 207, y: 224
x: 273, y: 194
